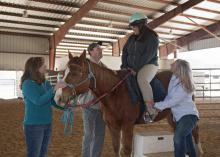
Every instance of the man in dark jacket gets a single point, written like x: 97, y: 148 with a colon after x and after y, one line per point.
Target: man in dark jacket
x: 140, y: 55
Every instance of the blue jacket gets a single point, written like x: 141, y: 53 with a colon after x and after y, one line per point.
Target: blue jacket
x: 178, y: 100
x: 38, y: 99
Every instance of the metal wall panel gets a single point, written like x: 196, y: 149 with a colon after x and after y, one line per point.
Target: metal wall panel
x: 204, y: 44
x: 15, y: 50
x: 17, y: 61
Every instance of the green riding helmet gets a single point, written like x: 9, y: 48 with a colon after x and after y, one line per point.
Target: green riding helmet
x: 137, y: 17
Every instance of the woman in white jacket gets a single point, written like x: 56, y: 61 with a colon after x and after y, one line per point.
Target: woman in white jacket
x: 185, y: 113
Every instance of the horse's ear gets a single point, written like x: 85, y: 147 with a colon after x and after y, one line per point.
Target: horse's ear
x: 83, y: 55
x: 70, y: 56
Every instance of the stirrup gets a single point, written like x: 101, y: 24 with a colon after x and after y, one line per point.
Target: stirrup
x: 147, y: 117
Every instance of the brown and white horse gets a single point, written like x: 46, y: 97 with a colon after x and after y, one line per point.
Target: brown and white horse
x: 119, y: 113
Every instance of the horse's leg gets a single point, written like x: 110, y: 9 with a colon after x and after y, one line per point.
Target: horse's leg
x: 196, y: 137
x: 116, y: 135
x: 127, y: 137
x: 170, y: 120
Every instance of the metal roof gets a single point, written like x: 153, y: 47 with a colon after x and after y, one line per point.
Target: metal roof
x: 107, y: 22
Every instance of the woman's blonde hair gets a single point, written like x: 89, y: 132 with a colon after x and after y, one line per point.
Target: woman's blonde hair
x: 184, y: 73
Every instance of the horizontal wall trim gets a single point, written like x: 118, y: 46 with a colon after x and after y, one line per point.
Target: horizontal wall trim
x: 24, y: 34
x: 29, y: 53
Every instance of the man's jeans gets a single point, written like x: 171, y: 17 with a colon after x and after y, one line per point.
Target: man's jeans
x: 37, y: 139
x: 183, y: 142
x: 94, y: 133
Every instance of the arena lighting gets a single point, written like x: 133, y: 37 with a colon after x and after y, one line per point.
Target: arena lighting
x: 101, y: 27
x: 96, y: 33
x: 110, y: 24
x: 25, y: 14
x: 89, y: 38
x: 171, y: 32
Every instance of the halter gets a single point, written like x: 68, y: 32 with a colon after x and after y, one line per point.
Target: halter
x: 89, y: 77
x: 95, y: 100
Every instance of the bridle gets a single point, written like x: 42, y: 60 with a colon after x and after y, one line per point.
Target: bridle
x: 92, y: 76
x: 89, y: 77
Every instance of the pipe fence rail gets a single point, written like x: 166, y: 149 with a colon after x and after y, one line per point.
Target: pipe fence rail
x: 207, y: 82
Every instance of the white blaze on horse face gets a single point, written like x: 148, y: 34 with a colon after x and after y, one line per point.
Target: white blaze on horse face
x: 57, y: 97
x: 58, y: 93
x: 66, y: 73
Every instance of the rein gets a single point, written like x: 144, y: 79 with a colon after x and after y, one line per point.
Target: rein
x: 95, y: 100
x: 68, y: 115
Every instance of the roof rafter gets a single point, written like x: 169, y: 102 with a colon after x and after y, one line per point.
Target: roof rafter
x: 63, y: 3
x: 60, y: 34
x: 131, y: 5
x: 166, y: 17
x: 207, y: 10
x: 33, y: 16
x: 196, y: 8
x: 77, y: 7
x: 20, y: 6
x: 171, y: 14
x: 24, y: 34
x: 29, y: 23
x: 26, y: 29
x: 182, y: 41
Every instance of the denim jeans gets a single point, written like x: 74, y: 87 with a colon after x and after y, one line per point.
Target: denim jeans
x: 183, y: 142
x: 37, y: 139
x: 94, y: 133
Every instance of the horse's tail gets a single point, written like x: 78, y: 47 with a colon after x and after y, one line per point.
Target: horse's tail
x: 196, y: 136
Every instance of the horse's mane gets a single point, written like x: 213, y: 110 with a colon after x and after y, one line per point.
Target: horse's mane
x: 76, y: 60
x: 103, y: 71
x: 104, y: 68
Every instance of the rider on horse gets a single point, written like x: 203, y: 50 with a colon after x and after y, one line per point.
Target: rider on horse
x: 140, y: 55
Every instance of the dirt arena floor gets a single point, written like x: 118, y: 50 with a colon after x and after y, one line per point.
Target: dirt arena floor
x: 12, y: 139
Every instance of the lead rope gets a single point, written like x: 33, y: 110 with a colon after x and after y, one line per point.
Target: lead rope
x: 68, y: 117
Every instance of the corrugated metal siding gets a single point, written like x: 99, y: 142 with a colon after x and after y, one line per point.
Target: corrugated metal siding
x: 26, y: 32
x: 123, y: 9
x: 204, y: 44
x: 16, y: 61
x: 149, y: 4
x: 10, y: 43
x: 43, y: 29
x: 31, y: 20
x: 15, y: 50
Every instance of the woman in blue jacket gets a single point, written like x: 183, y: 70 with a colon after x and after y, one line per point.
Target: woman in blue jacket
x: 38, y: 99
x: 185, y: 113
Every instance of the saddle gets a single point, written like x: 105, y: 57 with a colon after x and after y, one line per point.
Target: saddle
x: 159, y: 91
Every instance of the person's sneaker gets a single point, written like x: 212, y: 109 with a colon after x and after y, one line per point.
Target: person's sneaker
x: 147, y: 118
x: 150, y: 114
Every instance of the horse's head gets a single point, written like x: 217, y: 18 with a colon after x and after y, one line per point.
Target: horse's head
x: 77, y: 78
